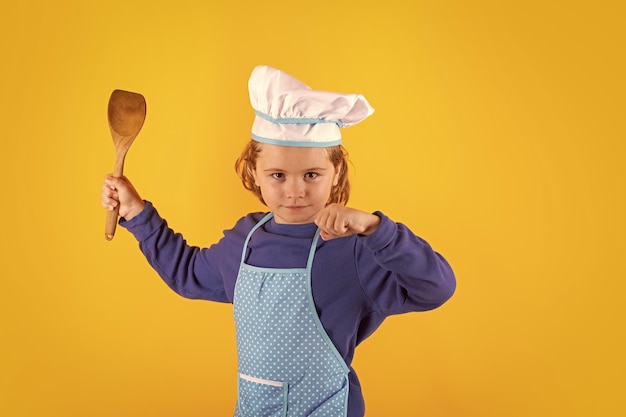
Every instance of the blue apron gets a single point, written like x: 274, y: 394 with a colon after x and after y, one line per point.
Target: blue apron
x: 288, y: 366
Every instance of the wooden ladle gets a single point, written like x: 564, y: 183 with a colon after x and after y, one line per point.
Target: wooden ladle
x: 127, y: 112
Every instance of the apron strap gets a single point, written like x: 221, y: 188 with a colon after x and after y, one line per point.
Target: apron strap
x: 315, y: 316
x: 309, y: 263
x: 264, y: 220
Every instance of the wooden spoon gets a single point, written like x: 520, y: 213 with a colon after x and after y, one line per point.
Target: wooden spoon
x: 127, y: 112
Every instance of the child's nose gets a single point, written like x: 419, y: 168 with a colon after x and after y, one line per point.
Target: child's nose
x: 295, y: 188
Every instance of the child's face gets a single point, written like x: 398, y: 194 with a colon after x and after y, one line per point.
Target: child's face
x: 295, y: 182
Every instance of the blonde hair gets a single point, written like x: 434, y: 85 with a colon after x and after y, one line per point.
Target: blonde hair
x: 338, y: 156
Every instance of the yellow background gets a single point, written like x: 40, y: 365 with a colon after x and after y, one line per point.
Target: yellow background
x: 498, y: 137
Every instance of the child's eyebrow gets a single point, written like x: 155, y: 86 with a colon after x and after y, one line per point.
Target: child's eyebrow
x: 304, y: 170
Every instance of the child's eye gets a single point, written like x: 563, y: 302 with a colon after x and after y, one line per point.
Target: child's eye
x: 278, y: 175
x: 311, y: 175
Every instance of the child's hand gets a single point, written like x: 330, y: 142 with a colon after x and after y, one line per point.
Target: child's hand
x: 336, y: 221
x: 120, y: 191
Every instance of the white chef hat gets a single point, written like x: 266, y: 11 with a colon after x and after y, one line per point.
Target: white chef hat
x: 289, y: 113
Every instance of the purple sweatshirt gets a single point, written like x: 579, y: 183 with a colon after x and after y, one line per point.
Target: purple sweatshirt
x: 356, y: 281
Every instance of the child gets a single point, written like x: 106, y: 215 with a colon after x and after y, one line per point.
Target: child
x: 301, y: 304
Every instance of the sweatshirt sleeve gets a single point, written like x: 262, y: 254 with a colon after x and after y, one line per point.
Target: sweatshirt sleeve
x: 190, y: 271
x: 400, y: 272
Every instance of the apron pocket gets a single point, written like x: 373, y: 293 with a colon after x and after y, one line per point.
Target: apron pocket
x: 261, y: 397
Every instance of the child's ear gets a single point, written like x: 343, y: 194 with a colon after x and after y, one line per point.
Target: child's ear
x: 337, y: 175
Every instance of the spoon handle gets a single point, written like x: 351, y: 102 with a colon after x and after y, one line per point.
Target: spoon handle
x: 111, y: 218
x: 111, y: 223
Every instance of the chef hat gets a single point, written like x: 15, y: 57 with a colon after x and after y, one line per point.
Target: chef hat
x: 289, y: 113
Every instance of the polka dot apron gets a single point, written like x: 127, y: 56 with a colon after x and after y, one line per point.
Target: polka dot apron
x: 288, y: 366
